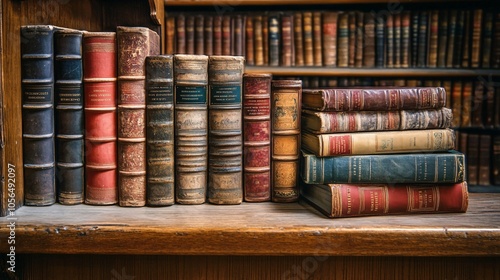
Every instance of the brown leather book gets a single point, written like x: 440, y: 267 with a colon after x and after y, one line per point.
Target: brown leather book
x: 170, y: 37
x: 191, y: 128
x: 487, y: 39
x: 389, y: 41
x: 433, y: 39
x: 217, y: 35
x: 452, y: 32
x: 496, y: 160
x: 477, y: 99
x: 285, y: 115
x: 472, y: 156
x: 134, y: 44
x: 352, y: 21
x: 495, y: 55
x: 477, y: 26
x: 343, y: 40
x: 199, y: 34
x: 360, y: 39
x: 374, y: 99
x: 456, y: 102
x: 257, y: 137
x: 160, y: 130
x: 258, y: 41
x: 237, y: 35
x: 225, y: 138
x: 405, y: 39
x: 190, y: 34
x: 468, y: 104
x: 287, y: 41
x: 180, y: 34
x: 353, y: 200
x: 298, y: 39
x: 249, y: 41
x: 274, y: 39
x: 485, y: 152
x: 369, y: 41
x: 227, y: 34
x: 265, y: 39
x: 329, y: 29
x: 317, y: 39
x: 466, y: 42
x: 208, y: 35
x: 443, y: 38
x: 307, y: 29
x: 489, y: 106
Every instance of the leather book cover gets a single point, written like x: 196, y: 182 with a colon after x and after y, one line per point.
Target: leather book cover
x: 307, y: 29
x: 225, y: 138
x: 274, y: 40
x: 415, y: 21
x: 160, y: 150
x: 495, y: 52
x: 329, y: 29
x: 405, y: 39
x: 317, y: 39
x: 459, y: 36
x: 258, y: 41
x: 99, y: 78
x: 477, y: 98
x: 287, y: 42
x: 257, y: 137
x: 360, y: 39
x: 208, y: 34
x: 495, y: 160
x: 170, y: 37
x: 468, y: 104
x: 423, y: 39
x: 379, y: 41
x: 249, y: 40
x: 433, y: 39
x: 134, y: 44
x: 456, y: 103
x: 472, y: 155
x: 378, y: 142
x: 285, y: 147
x: 356, y: 200
x: 191, y: 128
x: 265, y: 38
x: 466, y: 42
x: 484, y: 160
x: 369, y: 41
x: 69, y: 126
x: 199, y: 34
x: 389, y: 24
x: 443, y: 38
x: 352, y: 21
x: 217, y: 35
x: 373, y: 98
x: 180, y: 34
x: 228, y: 47
x: 477, y: 27
x: 489, y: 106
x: 397, y: 39
x: 487, y: 39
x: 343, y: 40
x: 237, y: 35
x: 37, y: 90
x: 452, y: 30
x: 299, y: 39
x: 190, y: 34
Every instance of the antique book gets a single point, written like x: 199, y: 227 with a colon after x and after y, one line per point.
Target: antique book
x: 476, y: 99
x: 369, y: 40
x: 484, y: 160
x: 99, y: 78
x: 487, y: 39
x: 287, y: 42
x: 423, y: 39
x: 459, y: 36
x: 389, y: 41
x: 436, y: 167
x: 317, y: 39
x: 180, y: 34
x: 378, y: 142
x: 134, y: 44
x: 170, y: 36
x: 355, y: 200
x: 307, y: 29
x: 343, y: 40
x: 208, y: 35
x: 69, y: 125
x: 477, y: 26
x: 258, y: 41
x: 37, y: 99
x: 397, y: 39
x: 456, y: 102
x: 351, y: 121
x: 495, y: 180
x: 274, y: 40
x: 265, y: 39
x: 442, y: 38
x: 405, y: 39
x: 160, y: 150
x: 452, y: 31
x: 472, y: 156
x: 495, y: 52
x: 415, y: 29
x: 489, y: 106
x: 285, y: 117
x: 199, y: 34
x: 190, y: 34
x: 227, y: 47
x: 466, y: 42
x: 329, y: 29
x: 191, y: 128
x: 433, y: 39
x: 217, y: 35
x: 257, y: 137
x: 379, y: 41
x: 352, y: 48
x: 374, y: 99
x: 225, y: 137
x: 467, y: 104
x: 249, y: 41
x: 299, y: 39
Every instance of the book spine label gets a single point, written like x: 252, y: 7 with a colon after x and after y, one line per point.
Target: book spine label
x: 160, y: 130
x: 257, y: 137
x: 444, y: 167
x: 285, y: 115
x: 191, y: 128
x: 225, y: 166
x: 134, y: 44
x: 37, y: 74
x: 69, y: 116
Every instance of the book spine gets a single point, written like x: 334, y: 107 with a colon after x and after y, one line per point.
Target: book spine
x: 190, y: 34
x: 69, y: 125
x: 249, y: 40
x: 208, y: 35
x: 191, y: 128
x: 287, y: 50
x: 369, y: 52
x: 258, y: 41
x: 134, y: 44
x: 257, y: 137
x: 440, y: 167
x: 459, y: 36
x: 217, y: 35
x: 225, y: 166
x: 475, y: 108
x: 352, y: 23
x: 485, y: 152
x: 265, y: 39
x: 487, y: 39
x: 472, y: 155
x: 433, y: 39
x: 477, y: 25
x: 274, y: 40
x: 426, y: 119
x: 379, y: 142
x: 415, y: 29
x: 170, y: 34
x: 397, y: 40
x: 285, y: 115
x: 452, y: 31
x: 351, y: 200
x: 489, y: 106
x: 389, y: 25
x: 160, y: 131
x: 37, y: 81
x: 226, y: 34
x: 307, y: 28
x: 423, y: 39
x: 495, y: 55
x: 456, y: 103
x: 317, y: 39
x: 329, y: 28
x: 379, y: 41
x: 467, y: 104
x: 199, y: 34
x: 466, y: 42
x: 99, y: 78
x: 378, y: 99
x: 496, y: 160
x: 299, y: 39
x: 443, y: 38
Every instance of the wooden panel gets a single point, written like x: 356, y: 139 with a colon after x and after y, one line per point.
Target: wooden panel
x: 118, y: 267
x: 253, y: 229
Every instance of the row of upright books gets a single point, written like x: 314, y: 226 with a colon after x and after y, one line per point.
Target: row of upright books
x: 445, y: 38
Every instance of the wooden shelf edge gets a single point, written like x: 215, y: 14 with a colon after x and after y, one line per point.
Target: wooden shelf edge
x: 273, y: 229
x: 372, y: 72
x: 291, y: 2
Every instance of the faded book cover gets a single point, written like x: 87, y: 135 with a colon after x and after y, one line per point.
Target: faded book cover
x: 191, y: 128
x: 355, y: 200
x: 37, y: 90
x: 257, y: 137
x: 225, y: 137
x: 69, y: 125
x: 285, y: 117
x: 160, y: 170
x: 99, y: 78
x: 134, y: 44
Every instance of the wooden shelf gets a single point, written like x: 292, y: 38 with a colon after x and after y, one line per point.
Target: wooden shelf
x: 293, y: 2
x: 372, y: 72
x: 253, y: 229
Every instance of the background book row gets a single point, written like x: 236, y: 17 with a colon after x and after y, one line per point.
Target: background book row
x: 444, y: 38
x: 474, y: 101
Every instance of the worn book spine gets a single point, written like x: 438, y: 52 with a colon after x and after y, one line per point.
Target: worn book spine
x: 225, y: 155
x: 379, y: 41
x: 443, y: 38
x: 258, y: 41
x: 375, y: 99
x: 352, y: 21
x: 99, y: 78
x: 285, y: 116
x: 466, y: 42
x: 477, y: 26
x: 489, y: 106
x: 332, y: 122
x: 389, y: 25
x: 397, y: 39
x: 456, y: 102
x: 343, y: 40
x: 495, y: 180
x: 191, y: 128
x: 180, y: 34
x: 467, y: 104
x: 37, y: 98
x: 368, y: 37
x: 433, y: 39
x: 217, y: 35
x: 459, y: 37
x: 329, y: 29
x: 495, y: 52
x: 438, y: 167
x: 307, y: 29
x: 379, y: 142
x: 160, y: 130
x: 299, y: 39
x: 477, y: 99
x: 257, y: 137
x: 472, y: 156
x: 355, y: 200
x: 485, y: 152
x: 415, y: 21
x: 69, y: 126
x: 423, y: 39
x: 208, y: 35
x: 265, y: 39
x: 274, y: 40
x: 227, y: 34
x: 249, y: 40
x: 190, y: 34
x: 317, y: 39
x: 199, y: 34
x: 287, y: 49
x: 170, y: 37
x: 405, y: 39
x: 452, y: 31
x: 487, y: 39
x: 134, y: 44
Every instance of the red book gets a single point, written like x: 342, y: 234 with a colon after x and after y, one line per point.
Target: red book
x: 99, y: 77
x: 351, y: 200
x: 257, y: 137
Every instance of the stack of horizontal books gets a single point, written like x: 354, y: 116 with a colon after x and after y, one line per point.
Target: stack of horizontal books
x: 379, y: 151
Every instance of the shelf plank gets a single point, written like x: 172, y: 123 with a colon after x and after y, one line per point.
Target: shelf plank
x: 373, y: 72
x: 252, y: 229
x: 293, y: 2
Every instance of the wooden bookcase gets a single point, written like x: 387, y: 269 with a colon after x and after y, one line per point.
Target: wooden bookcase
x: 248, y: 241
